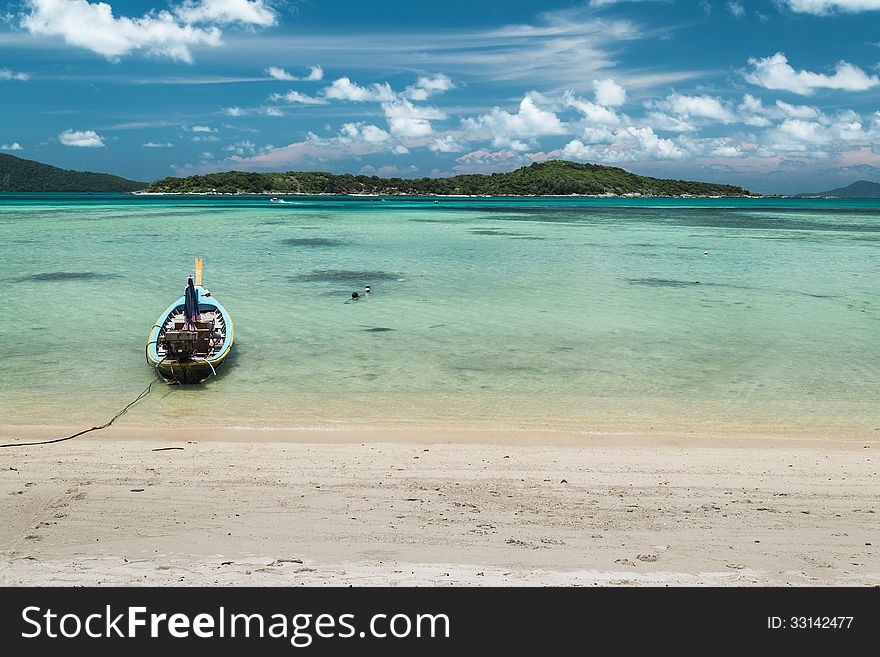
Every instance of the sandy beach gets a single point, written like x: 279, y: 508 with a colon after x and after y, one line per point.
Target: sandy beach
x: 444, y: 508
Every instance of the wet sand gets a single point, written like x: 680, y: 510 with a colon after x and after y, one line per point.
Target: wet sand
x: 438, y: 508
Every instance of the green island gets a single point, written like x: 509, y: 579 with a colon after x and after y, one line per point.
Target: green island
x: 20, y: 175
x: 552, y: 178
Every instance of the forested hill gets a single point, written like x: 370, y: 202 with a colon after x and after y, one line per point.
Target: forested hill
x: 20, y: 175
x: 556, y: 177
x: 859, y: 189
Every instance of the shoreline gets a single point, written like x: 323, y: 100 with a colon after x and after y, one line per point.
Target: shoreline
x: 439, y: 196
x: 428, y: 435
x: 608, y: 511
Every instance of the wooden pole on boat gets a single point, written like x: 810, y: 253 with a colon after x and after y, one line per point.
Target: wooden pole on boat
x: 198, y: 280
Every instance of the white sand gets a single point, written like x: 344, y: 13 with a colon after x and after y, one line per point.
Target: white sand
x: 426, y: 509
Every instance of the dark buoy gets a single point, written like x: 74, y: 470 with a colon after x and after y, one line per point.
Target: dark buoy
x: 354, y: 295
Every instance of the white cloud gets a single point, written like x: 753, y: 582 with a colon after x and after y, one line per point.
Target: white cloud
x: 595, y: 114
x: 223, y: 12
x: 408, y: 120
x: 794, y: 134
x: 94, y: 27
x: 279, y: 73
x: 296, y: 98
x: 753, y: 112
x: 14, y: 146
x: 345, y: 89
x: 608, y: 3
x: 484, y: 161
x: 203, y: 128
x: 151, y: 144
x: 609, y: 93
x: 445, y: 144
x: 205, y: 139
x: 703, y: 107
x: 6, y: 74
x: 387, y: 171
x: 776, y: 73
x: 272, y: 111
x: 507, y: 130
x: 315, y: 73
x: 243, y: 147
x: 233, y: 111
x: 428, y: 86
x: 663, y: 121
x: 313, y: 151
x: 821, y: 7
x: 736, y: 8
x: 362, y: 132
x: 797, y: 111
x: 631, y: 144
x: 81, y: 138
x: 727, y: 151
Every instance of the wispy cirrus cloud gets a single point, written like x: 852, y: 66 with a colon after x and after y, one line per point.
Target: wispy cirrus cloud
x: 556, y: 49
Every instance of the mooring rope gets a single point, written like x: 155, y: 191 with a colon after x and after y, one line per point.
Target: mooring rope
x: 144, y: 393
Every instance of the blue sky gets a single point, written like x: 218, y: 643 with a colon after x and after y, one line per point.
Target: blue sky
x: 776, y: 95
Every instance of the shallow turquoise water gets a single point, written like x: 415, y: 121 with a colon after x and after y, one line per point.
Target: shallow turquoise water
x: 580, y: 314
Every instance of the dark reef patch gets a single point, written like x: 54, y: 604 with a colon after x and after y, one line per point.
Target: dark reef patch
x: 347, y: 276
x: 61, y: 276
x: 312, y: 241
x: 661, y: 282
x: 503, y: 233
x: 492, y: 231
x: 378, y: 329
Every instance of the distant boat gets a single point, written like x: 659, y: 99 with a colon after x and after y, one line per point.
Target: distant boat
x: 275, y: 200
x: 192, y: 338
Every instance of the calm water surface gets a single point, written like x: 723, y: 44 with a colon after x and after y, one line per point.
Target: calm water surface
x: 577, y: 314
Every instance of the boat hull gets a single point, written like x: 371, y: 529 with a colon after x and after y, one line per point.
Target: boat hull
x: 184, y: 373
x: 190, y: 370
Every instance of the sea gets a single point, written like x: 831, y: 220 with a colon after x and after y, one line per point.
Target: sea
x: 584, y: 315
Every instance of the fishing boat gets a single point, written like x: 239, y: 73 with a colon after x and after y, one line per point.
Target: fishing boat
x: 192, y: 338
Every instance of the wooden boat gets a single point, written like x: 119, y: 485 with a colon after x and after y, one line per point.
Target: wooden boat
x: 192, y: 338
